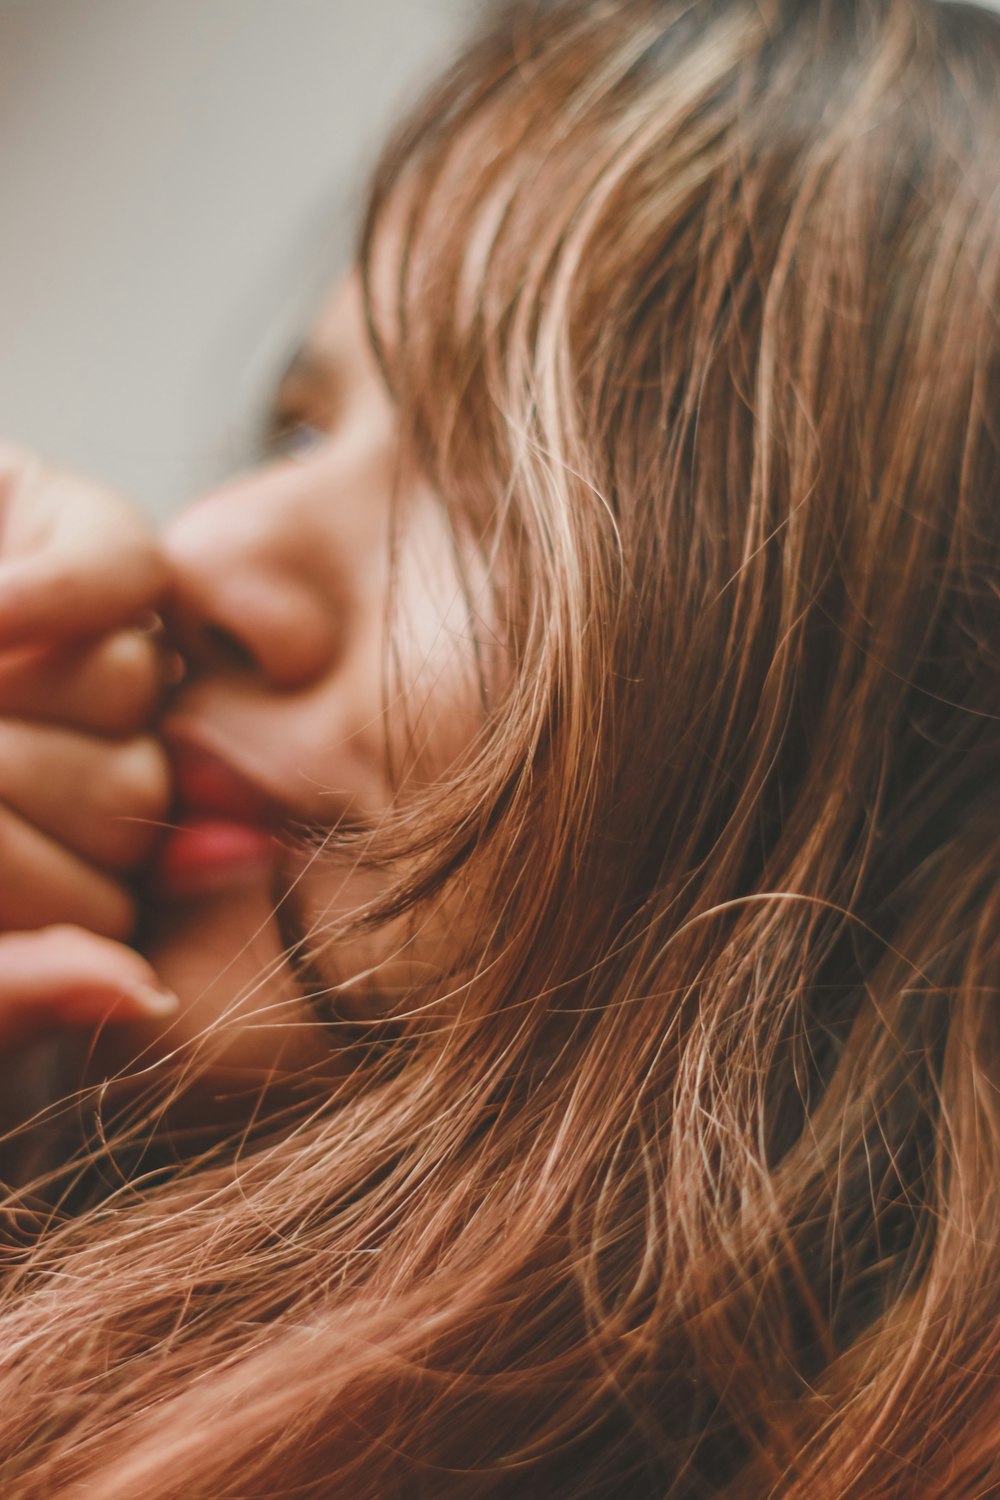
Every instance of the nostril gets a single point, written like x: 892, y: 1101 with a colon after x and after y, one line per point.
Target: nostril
x: 226, y: 650
x: 252, y: 621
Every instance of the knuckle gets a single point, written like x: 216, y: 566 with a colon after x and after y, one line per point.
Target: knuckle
x: 140, y: 778
x: 66, y: 934
x: 129, y: 677
x: 78, y: 945
x: 134, y: 800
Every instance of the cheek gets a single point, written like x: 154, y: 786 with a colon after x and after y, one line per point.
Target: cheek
x: 399, y: 968
x: 444, y: 649
x: 241, y: 1025
x: 445, y: 665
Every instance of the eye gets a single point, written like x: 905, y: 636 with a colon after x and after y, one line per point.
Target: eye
x: 304, y: 411
x: 292, y: 437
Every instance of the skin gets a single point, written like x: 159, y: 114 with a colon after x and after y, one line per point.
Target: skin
x: 81, y: 674
x: 275, y: 588
x: 280, y: 582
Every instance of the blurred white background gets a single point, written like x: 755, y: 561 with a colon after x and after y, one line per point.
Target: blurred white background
x: 179, y: 182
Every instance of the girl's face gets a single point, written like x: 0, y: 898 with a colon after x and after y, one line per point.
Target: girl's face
x: 283, y: 582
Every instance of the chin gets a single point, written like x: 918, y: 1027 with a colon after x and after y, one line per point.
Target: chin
x: 243, y: 1030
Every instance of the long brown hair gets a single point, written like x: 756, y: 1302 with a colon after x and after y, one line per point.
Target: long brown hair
x: 683, y: 1179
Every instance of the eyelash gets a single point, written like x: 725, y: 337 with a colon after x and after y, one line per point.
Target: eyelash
x: 295, y: 439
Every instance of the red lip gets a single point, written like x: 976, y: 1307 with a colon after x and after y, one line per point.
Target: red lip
x: 205, y: 785
x: 222, y: 828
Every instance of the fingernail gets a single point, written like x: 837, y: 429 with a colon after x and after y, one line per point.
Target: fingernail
x: 153, y: 1001
x: 149, y: 622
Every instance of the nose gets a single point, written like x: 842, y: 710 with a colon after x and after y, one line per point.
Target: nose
x: 252, y: 591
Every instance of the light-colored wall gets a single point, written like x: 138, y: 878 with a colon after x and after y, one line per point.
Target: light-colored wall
x: 178, y: 181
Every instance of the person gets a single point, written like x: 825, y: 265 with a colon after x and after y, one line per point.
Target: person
x: 575, y: 881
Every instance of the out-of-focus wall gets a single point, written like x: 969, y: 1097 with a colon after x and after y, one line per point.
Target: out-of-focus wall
x: 179, y: 179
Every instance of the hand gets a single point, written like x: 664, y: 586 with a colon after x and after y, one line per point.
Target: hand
x: 62, y: 977
x: 75, y: 558
x: 82, y: 788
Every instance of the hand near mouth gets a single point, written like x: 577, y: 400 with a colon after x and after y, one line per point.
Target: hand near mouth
x: 221, y: 830
x: 83, y: 782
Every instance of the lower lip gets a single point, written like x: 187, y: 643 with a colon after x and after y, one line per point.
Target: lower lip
x: 210, y: 855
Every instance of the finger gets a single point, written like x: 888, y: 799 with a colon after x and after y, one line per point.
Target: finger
x: 77, y: 558
x: 45, y: 883
x: 112, y: 685
x: 64, y: 976
x: 105, y: 800
x: 66, y: 593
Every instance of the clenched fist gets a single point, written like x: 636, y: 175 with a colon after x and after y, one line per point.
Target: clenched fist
x: 83, y: 782
x: 82, y: 785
